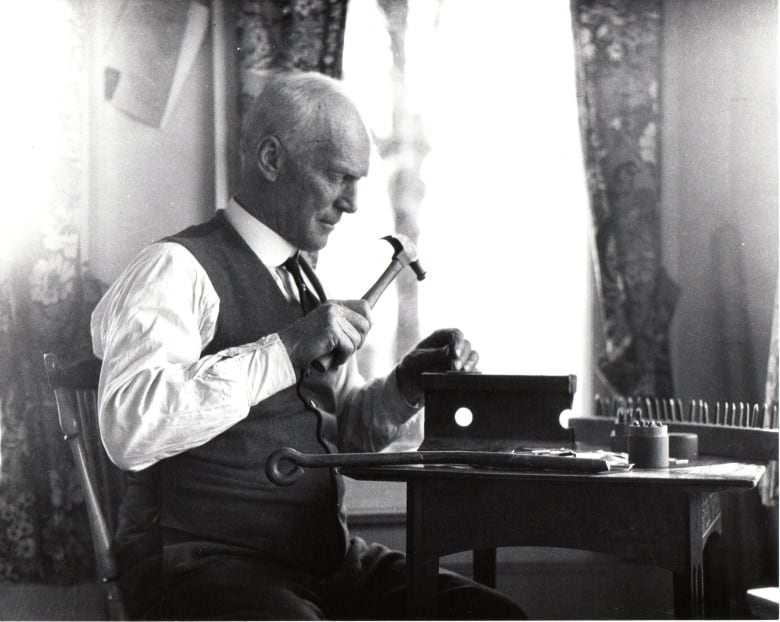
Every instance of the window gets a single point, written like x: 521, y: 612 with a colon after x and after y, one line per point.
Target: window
x: 503, y: 223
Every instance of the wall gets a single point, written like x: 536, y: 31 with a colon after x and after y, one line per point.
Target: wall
x: 719, y: 191
x: 145, y: 182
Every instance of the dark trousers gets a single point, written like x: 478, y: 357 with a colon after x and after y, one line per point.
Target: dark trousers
x: 215, y: 582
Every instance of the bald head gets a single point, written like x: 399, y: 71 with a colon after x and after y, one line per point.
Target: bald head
x: 291, y: 106
x: 304, y: 146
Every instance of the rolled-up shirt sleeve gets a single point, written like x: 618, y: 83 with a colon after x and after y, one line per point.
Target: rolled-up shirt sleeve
x: 157, y: 395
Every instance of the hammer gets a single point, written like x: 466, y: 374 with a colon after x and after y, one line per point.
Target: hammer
x: 405, y: 255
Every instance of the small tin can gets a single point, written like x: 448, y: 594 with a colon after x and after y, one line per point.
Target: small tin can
x: 648, y: 446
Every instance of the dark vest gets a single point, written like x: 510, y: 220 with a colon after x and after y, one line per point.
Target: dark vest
x: 219, y: 491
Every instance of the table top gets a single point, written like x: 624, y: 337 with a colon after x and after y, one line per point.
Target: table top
x: 704, y: 474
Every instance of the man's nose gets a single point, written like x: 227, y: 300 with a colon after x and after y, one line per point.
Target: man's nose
x: 347, y: 201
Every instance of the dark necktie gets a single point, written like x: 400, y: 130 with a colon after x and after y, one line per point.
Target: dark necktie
x: 309, y: 300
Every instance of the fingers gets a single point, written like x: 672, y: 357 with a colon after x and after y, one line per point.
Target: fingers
x: 455, y: 346
x: 459, y: 350
x: 463, y: 357
x: 471, y: 362
x: 352, y: 322
x: 339, y: 328
x: 350, y: 313
x: 442, y: 338
x: 348, y: 332
x: 361, y: 307
x: 446, y: 350
x: 442, y: 351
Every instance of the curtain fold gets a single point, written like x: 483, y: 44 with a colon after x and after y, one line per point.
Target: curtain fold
x: 617, y: 48
x: 46, y: 297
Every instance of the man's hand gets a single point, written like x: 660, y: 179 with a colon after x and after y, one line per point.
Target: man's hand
x: 444, y: 350
x: 337, y: 327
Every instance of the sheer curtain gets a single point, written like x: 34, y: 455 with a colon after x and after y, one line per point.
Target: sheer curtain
x: 46, y: 293
x: 501, y: 205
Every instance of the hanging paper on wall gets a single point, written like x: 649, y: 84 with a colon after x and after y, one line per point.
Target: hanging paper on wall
x: 150, y: 55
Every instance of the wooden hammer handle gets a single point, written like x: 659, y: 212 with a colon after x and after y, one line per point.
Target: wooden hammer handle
x: 387, y: 277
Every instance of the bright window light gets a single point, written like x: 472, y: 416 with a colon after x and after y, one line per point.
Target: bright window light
x: 504, y: 222
x: 35, y: 45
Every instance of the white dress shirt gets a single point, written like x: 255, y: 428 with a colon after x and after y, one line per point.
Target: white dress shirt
x: 157, y: 395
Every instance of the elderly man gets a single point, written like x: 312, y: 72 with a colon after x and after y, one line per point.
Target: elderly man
x: 207, y: 341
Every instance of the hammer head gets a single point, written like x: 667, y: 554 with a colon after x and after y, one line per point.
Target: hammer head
x: 406, y: 253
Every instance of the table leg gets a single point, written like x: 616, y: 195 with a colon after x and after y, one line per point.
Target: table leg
x: 422, y: 567
x: 699, y: 591
x: 689, y: 593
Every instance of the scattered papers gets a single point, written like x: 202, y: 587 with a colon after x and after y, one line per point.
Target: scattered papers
x: 617, y: 461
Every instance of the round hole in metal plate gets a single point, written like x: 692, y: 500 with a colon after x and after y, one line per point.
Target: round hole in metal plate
x: 563, y: 418
x: 463, y: 417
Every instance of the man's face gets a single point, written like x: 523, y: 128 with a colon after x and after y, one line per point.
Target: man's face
x: 319, y: 176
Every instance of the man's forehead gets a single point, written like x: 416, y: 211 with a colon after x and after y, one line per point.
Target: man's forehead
x: 349, y: 159
x: 343, y: 141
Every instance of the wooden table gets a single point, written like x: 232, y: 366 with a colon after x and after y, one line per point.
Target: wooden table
x: 668, y: 518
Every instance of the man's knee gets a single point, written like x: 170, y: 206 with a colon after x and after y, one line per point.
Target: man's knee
x: 378, y: 576
x: 233, y: 603
x: 222, y: 590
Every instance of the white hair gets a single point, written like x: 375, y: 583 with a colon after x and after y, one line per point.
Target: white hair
x: 288, y: 103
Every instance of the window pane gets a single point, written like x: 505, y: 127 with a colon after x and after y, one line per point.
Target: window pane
x: 504, y: 220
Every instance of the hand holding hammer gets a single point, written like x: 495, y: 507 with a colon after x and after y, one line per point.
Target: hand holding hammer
x: 405, y: 254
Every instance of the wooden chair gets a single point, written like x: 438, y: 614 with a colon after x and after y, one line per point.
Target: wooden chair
x: 75, y: 390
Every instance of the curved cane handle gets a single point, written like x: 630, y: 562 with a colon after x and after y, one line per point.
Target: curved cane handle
x: 274, y: 466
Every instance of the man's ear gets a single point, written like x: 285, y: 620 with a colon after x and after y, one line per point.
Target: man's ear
x: 270, y: 155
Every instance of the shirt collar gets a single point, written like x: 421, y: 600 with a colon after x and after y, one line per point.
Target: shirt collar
x: 270, y: 247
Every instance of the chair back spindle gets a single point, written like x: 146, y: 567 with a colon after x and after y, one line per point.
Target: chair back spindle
x: 75, y: 392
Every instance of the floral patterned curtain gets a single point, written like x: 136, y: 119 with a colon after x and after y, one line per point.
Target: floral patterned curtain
x: 287, y: 34
x: 46, y: 297
x: 617, y: 49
